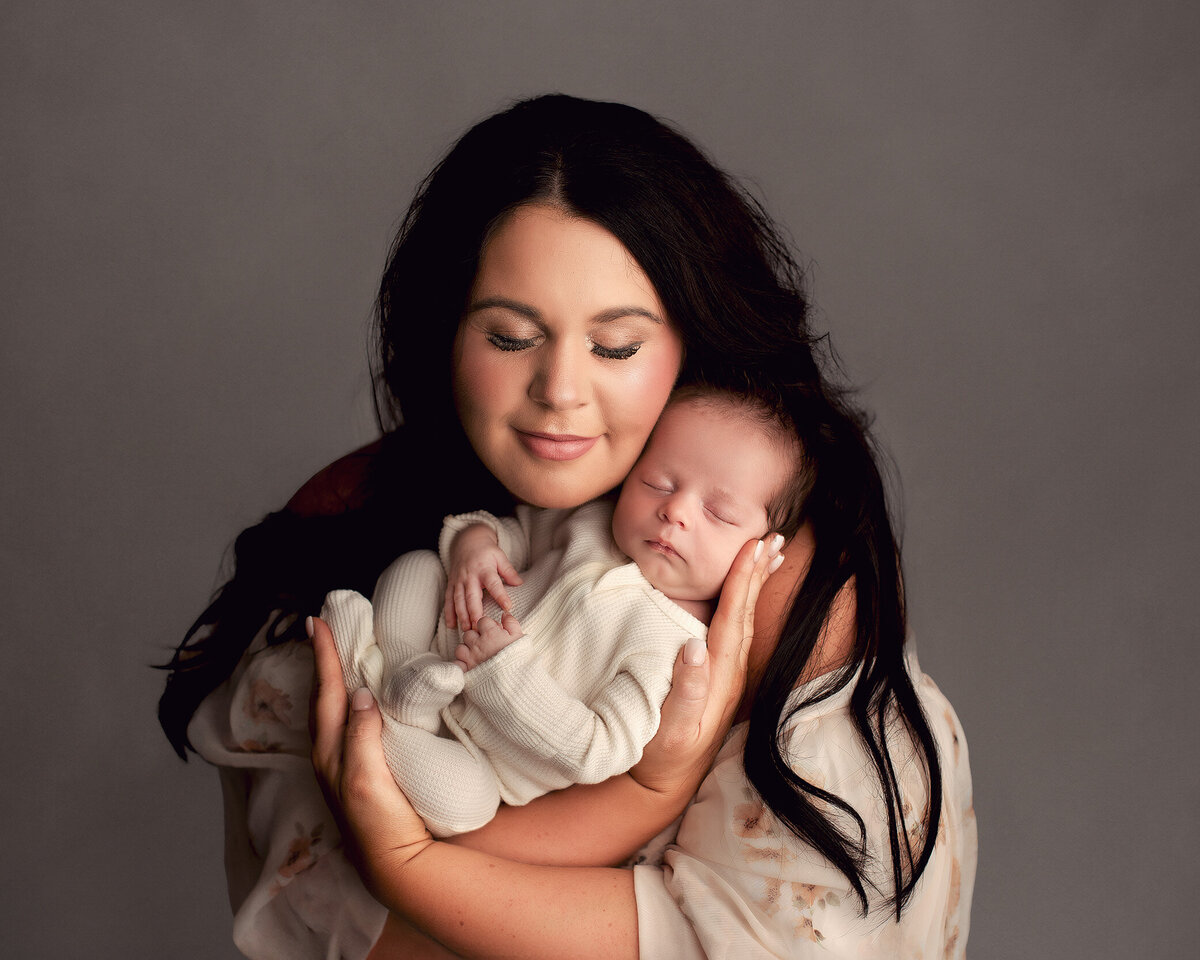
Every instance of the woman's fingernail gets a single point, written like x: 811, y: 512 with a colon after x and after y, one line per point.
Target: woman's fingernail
x: 695, y: 651
x: 362, y: 699
x: 775, y: 564
x: 776, y: 543
x: 758, y: 549
x: 308, y: 627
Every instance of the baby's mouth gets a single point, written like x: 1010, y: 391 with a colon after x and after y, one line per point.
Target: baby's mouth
x: 661, y: 546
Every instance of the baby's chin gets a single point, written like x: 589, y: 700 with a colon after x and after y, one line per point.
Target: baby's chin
x: 685, y: 598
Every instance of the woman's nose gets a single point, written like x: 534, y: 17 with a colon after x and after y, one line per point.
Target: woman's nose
x: 558, y: 381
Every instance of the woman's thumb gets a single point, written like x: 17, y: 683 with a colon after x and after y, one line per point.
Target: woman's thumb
x: 364, y: 727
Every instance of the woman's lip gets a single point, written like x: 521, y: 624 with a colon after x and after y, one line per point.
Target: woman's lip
x: 556, y: 446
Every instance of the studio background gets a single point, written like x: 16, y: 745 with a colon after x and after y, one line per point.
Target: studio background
x: 999, y: 207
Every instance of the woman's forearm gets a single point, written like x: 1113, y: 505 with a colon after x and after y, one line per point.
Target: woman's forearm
x: 479, y: 905
x: 585, y: 825
x: 400, y: 940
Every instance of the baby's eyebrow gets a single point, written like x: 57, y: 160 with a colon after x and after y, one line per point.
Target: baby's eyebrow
x: 720, y: 497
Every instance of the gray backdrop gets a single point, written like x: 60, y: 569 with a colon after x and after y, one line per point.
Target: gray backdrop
x: 999, y: 202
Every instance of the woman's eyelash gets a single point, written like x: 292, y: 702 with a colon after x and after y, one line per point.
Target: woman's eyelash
x: 501, y: 342
x: 617, y: 353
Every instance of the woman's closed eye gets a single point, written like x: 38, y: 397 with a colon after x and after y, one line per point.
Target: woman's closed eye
x: 508, y: 343
x: 502, y: 342
x: 616, y: 353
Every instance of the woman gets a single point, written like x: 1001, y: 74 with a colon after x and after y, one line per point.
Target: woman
x: 573, y: 260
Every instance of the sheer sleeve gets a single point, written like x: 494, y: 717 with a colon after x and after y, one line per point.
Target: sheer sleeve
x: 737, y: 884
x: 293, y: 892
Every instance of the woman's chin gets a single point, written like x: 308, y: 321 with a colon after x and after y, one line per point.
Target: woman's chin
x: 560, y: 485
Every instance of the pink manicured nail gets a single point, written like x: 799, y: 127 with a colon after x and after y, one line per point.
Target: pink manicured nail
x: 362, y: 699
x: 775, y: 564
x: 758, y: 549
x: 695, y: 651
x: 308, y: 627
x: 776, y: 544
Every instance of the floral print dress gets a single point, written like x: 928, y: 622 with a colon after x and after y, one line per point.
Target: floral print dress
x: 738, y: 884
x: 735, y: 884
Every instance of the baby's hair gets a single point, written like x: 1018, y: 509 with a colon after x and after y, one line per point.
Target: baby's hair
x: 785, y: 509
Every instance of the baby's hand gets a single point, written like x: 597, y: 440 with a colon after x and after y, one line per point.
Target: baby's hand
x: 476, y: 564
x: 487, y: 640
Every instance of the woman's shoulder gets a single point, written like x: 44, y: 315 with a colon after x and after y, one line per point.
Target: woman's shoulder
x: 339, y: 487
x: 824, y: 703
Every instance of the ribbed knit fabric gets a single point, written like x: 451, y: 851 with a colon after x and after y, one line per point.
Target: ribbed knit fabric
x: 573, y: 701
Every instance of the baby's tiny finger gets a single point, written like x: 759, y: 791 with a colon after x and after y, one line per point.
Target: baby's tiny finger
x: 511, y: 626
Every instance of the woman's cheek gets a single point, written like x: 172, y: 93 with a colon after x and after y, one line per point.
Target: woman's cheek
x: 646, y: 387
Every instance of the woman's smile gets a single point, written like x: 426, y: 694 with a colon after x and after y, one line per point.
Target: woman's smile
x: 550, y: 446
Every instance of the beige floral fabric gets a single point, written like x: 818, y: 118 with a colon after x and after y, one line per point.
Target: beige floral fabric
x: 293, y: 892
x: 738, y: 884
x: 734, y: 884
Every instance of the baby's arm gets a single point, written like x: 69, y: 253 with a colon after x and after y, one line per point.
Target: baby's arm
x: 585, y: 742
x: 475, y: 563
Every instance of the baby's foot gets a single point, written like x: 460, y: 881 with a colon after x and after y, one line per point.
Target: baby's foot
x: 350, y: 617
x: 419, y: 690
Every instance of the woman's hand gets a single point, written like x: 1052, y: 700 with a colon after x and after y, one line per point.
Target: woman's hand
x: 379, y: 827
x: 707, y: 683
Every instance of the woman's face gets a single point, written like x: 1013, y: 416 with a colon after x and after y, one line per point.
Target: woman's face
x: 564, y: 358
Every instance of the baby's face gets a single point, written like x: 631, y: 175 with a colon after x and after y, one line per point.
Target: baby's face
x: 697, y: 494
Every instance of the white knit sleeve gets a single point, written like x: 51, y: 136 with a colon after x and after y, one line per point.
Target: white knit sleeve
x: 586, y: 742
x: 512, y: 536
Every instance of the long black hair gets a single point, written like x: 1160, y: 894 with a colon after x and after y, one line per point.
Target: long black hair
x: 732, y: 289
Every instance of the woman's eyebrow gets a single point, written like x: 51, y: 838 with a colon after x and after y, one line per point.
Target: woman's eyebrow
x: 531, y: 313
x: 504, y: 303
x: 616, y: 313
